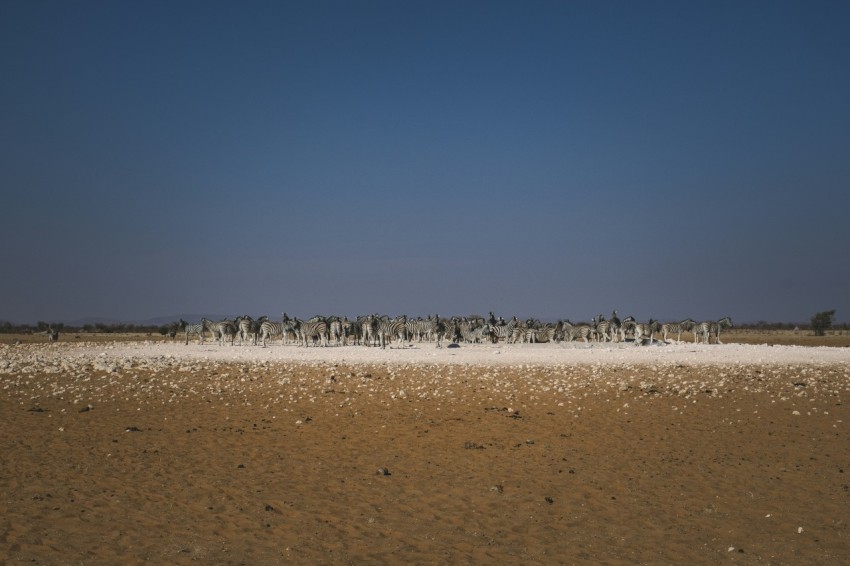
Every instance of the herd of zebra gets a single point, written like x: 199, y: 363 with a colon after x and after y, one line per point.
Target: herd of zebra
x: 377, y: 330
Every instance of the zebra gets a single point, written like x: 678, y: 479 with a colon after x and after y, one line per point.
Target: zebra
x: 614, y: 327
x: 708, y: 327
x: 601, y: 329
x: 627, y: 325
x: 575, y: 331
x: 336, y: 329
x: 388, y: 328
x: 416, y: 328
x: 368, y: 329
x: 503, y: 331
x: 725, y: 322
x: 451, y: 330
x: 192, y: 329
x: 420, y: 328
x: 269, y: 330
x: 208, y: 325
x: 220, y: 330
x: 311, y: 329
x: 518, y: 333
x: 478, y: 334
x: 350, y: 329
x: 290, y: 330
x: 539, y: 334
x: 247, y: 326
x: 441, y: 330
x: 646, y: 329
x: 677, y: 328
x: 466, y: 327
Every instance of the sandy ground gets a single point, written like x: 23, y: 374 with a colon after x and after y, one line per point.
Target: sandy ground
x: 165, y: 453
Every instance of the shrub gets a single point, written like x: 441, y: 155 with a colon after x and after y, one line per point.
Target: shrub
x: 821, y: 321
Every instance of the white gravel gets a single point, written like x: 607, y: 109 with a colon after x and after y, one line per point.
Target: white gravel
x: 515, y: 354
x: 98, y: 374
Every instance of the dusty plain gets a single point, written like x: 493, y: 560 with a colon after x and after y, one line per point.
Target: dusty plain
x: 151, y: 451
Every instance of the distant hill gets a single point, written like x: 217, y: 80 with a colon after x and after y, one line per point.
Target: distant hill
x: 89, y: 320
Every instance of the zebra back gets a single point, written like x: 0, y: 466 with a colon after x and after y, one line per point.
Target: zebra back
x: 390, y: 328
x: 314, y: 329
x: 269, y: 330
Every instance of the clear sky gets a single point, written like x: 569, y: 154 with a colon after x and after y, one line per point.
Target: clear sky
x: 548, y: 159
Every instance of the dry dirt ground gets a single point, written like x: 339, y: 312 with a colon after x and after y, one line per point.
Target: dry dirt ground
x: 165, y: 459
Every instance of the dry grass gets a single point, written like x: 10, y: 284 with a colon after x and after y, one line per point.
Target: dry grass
x: 41, y: 338
x: 838, y: 338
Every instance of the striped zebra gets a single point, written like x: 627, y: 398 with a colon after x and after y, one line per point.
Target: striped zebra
x: 503, y: 331
x: 441, y: 330
x: 519, y: 333
x: 576, y: 331
x: 676, y: 328
x: 708, y: 327
x: 336, y: 330
x: 368, y: 329
x: 223, y: 329
x: 211, y: 327
x: 350, y: 329
x: 416, y: 328
x: 269, y: 330
x: 311, y: 329
x: 249, y: 328
x: 420, y: 328
x: 192, y: 329
x: 227, y: 330
x: 465, y: 328
x: 627, y: 326
x: 614, y: 327
x: 601, y: 328
x: 479, y: 334
x: 392, y: 328
x: 703, y: 330
x: 432, y: 329
x: 452, y: 330
x: 539, y: 334
x: 646, y: 329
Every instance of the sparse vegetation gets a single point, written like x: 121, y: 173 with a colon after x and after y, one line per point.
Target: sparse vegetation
x: 822, y: 321
x: 98, y: 328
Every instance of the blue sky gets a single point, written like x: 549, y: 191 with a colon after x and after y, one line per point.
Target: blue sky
x: 548, y: 159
